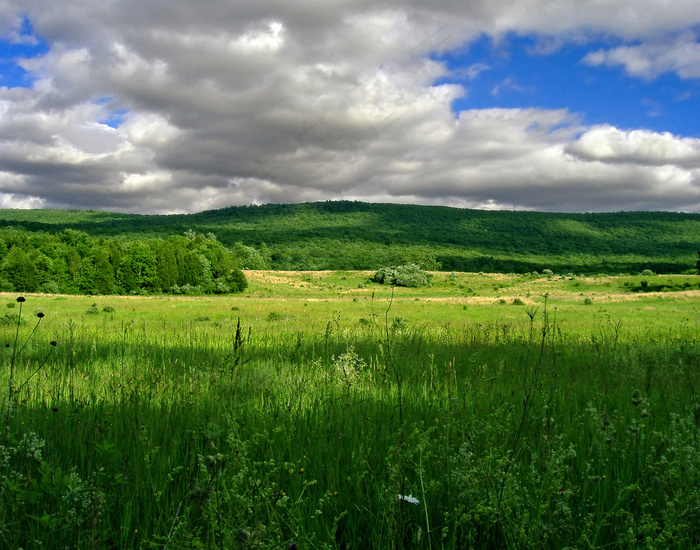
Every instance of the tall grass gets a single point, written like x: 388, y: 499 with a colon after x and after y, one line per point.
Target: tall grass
x: 383, y: 434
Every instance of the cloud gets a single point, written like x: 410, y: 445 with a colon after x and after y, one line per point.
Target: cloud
x: 611, y: 145
x: 255, y: 102
x: 651, y: 59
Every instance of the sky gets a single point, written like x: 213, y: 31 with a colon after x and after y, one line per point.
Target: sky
x: 155, y: 106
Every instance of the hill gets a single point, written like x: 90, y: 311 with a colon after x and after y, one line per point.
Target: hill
x: 342, y: 235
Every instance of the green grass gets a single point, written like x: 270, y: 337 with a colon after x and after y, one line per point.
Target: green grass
x: 298, y: 412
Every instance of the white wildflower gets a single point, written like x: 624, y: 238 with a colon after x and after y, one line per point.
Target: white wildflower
x: 410, y: 499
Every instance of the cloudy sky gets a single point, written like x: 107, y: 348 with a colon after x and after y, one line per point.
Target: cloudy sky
x: 161, y: 106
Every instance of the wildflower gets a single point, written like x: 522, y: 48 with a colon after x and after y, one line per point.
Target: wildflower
x: 53, y: 343
x: 410, y: 499
x: 40, y: 315
x: 21, y: 299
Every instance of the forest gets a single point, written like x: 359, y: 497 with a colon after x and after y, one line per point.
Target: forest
x: 92, y: 252
x: 73, y: 262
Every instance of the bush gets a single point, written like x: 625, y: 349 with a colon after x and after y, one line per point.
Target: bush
x: 237, y: 280
x: 274, y: 316
x: 409, y: 275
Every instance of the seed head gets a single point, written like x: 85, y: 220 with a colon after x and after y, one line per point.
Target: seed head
x: 40, y: 315
x: 21, y: 299
x: 54, y: 409
x: 54, y: 343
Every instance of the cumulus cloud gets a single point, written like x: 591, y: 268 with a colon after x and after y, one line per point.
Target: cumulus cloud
x: 145, y: 107
x: 651, y: 59
x: 608, y: 144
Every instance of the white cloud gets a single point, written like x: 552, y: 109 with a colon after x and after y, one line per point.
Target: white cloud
x: 651, y: 59
x: 608, y: 144
x: 233, y: 103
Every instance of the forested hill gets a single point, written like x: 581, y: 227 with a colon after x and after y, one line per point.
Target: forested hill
x: 355, y: 235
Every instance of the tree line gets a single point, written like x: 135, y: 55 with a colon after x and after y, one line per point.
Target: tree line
x: 73, y: 262
x: 344, y: 235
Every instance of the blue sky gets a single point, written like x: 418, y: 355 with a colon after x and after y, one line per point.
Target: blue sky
x: 512, y: 72
x: 13, y: 51
x: 557, y: 105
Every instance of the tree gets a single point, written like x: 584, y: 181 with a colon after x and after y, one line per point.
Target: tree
x: 138, y: 269
x: 237, y: 280
x: 20, y: 271
x: 95, y: 273
x: 166, y: 267
x: 190, y: 272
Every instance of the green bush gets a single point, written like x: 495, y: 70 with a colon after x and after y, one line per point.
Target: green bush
x: 409, y: 275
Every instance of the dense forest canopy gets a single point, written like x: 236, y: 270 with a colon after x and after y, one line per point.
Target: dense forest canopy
x: 102, y: 252
x: 72, y: 261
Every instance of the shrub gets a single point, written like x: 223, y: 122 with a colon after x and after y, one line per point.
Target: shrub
x: 409, y: 275
x: 237, y: 280
x: 274, y: 316
x: 50, y: 288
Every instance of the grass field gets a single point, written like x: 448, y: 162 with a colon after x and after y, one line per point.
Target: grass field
x: 320, y: 410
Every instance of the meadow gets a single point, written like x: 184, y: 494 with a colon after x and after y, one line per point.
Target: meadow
x: 321, y: 410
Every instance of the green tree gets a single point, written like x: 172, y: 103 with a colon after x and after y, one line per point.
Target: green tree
x: 19, y: 271
x: 138, y: 270
x: 72, y: 261
x: 191, y: 270
x: 104, y: 272
x: 166, y: 266
x: 237, y: 280
x: 95, y: 273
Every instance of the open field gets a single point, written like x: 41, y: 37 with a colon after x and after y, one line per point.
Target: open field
x: 321, y: 410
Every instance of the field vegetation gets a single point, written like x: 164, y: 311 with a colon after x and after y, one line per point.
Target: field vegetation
x: 321, y: 409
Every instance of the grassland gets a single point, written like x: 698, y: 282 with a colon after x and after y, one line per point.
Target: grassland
x: 320, y: 410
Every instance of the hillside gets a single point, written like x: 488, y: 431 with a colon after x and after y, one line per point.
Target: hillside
x: 355, y: 235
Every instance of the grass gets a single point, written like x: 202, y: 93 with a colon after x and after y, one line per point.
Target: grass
x: 306, y: 411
